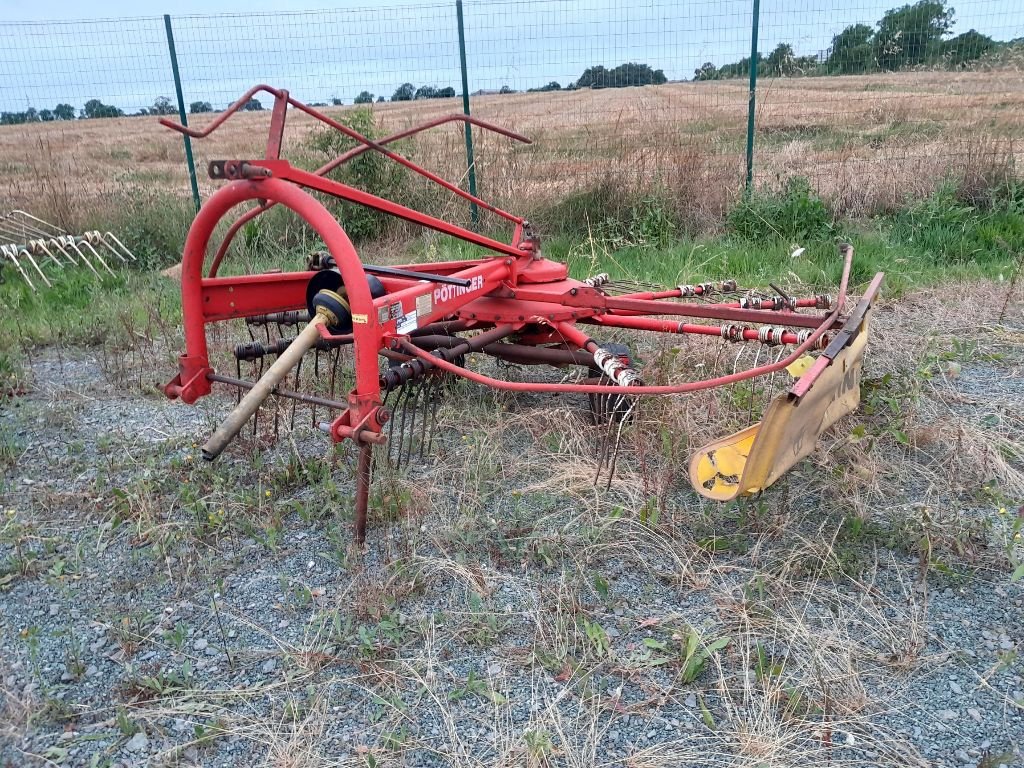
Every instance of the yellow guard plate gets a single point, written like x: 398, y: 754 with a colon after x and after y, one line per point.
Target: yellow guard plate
x: 754, y: 458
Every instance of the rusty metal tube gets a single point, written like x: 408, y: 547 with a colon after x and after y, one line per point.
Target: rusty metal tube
x: 263, y: 388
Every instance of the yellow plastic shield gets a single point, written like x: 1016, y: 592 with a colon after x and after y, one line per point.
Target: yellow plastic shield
x: 754, y: 458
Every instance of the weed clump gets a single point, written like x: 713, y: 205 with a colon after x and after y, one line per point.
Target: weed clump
x: 948, y: 230
x: 797, y: 214
x: 371, y: 171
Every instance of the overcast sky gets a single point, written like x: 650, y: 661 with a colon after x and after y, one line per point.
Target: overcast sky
x: 119, y: 54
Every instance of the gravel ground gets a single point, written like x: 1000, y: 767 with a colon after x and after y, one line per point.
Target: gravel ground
x: 505, y: 612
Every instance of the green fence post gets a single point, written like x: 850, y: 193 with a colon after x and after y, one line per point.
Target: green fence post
x: 473, y: 212
x: 753, y: 96
x: 181, y: 112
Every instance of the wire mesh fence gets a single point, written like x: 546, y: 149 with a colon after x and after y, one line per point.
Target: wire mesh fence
x: 869, y: 103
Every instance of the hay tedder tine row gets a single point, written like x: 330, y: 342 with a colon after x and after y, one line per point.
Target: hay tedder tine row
x: 394, y: 334
x: 24, y: 236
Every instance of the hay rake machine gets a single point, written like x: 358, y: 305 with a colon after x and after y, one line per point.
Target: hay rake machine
x: 29, y: 243
x: 407, y: 327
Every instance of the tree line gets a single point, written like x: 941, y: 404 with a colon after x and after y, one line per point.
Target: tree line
x: 94, y: 108
x: 907, y: 37
x: 597, y: 76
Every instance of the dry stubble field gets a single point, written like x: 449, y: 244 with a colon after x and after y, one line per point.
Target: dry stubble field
x: 867, y: 142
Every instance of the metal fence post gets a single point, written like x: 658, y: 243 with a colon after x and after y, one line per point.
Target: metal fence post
x: 473, y: 212
x: 181, y: 112
x: 753, y: 96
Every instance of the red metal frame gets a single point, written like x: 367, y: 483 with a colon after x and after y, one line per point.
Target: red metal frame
x: 513, y: 289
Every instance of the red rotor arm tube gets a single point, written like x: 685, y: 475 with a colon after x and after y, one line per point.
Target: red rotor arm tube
x: 733, y: 333
x: 645, y: 389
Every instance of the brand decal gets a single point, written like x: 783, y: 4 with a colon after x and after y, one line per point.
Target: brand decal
x: 445, y: 293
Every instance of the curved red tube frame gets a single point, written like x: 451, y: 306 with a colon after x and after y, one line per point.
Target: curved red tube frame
x: 204, y: 300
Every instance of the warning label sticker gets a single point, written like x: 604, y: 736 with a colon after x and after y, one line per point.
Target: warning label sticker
x: 424, y: 305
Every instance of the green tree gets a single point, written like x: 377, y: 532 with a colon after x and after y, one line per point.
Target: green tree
x: 46, y: 115
x: 554, y: 85
x: 198, y: 107
x: 912, y: 35
x: 64, y: 112
x: 781, y: 61
x: 94, y: 108
x: 252, y: 105
x: 621, y: 76
x: 851, y: 51
x: 162, y: 106
x: 706, y: 71
x: 404, y: 92
x: 335, y: 101
x: 967, y: 47
x: 364, y: 97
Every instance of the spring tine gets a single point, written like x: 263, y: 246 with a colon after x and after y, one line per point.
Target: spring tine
x: 256, y: 416
x: 70, y: 243
x: 58, y: 244
x: 95, y: 237
x: 398, y: 413
x: 413, y: 411
x: 438, y: 393
x: 409, y: 391
x: 238, y: 373
x: 97, y: 255
x: 39, y: 245
x: 334, y: 370
x: 26, y: 215
x: 407, y: 395
x: 8, y: 251
x: 428, y: 395
x: 35, y: 266
x: 121, y: 245
x: 618, y: 435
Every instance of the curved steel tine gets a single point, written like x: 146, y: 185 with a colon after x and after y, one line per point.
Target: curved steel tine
x: 439, y: 390
x: 428, y: 395
x: 414, y: 412
x: 60, y: 247
x: 121, y: 245
x: 618, y: 435
x: 334, y: 370
x: 397, y: 413
x: 70, y: 242
x: 24, y: 251
x: 36, y: 219
x: 39, y: 245
x: 93, y: 237
x: 402, y: 404
x: 9, y: 252
x: 97, y: 255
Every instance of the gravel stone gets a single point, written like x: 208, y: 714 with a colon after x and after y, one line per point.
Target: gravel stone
x: 138, y: 742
